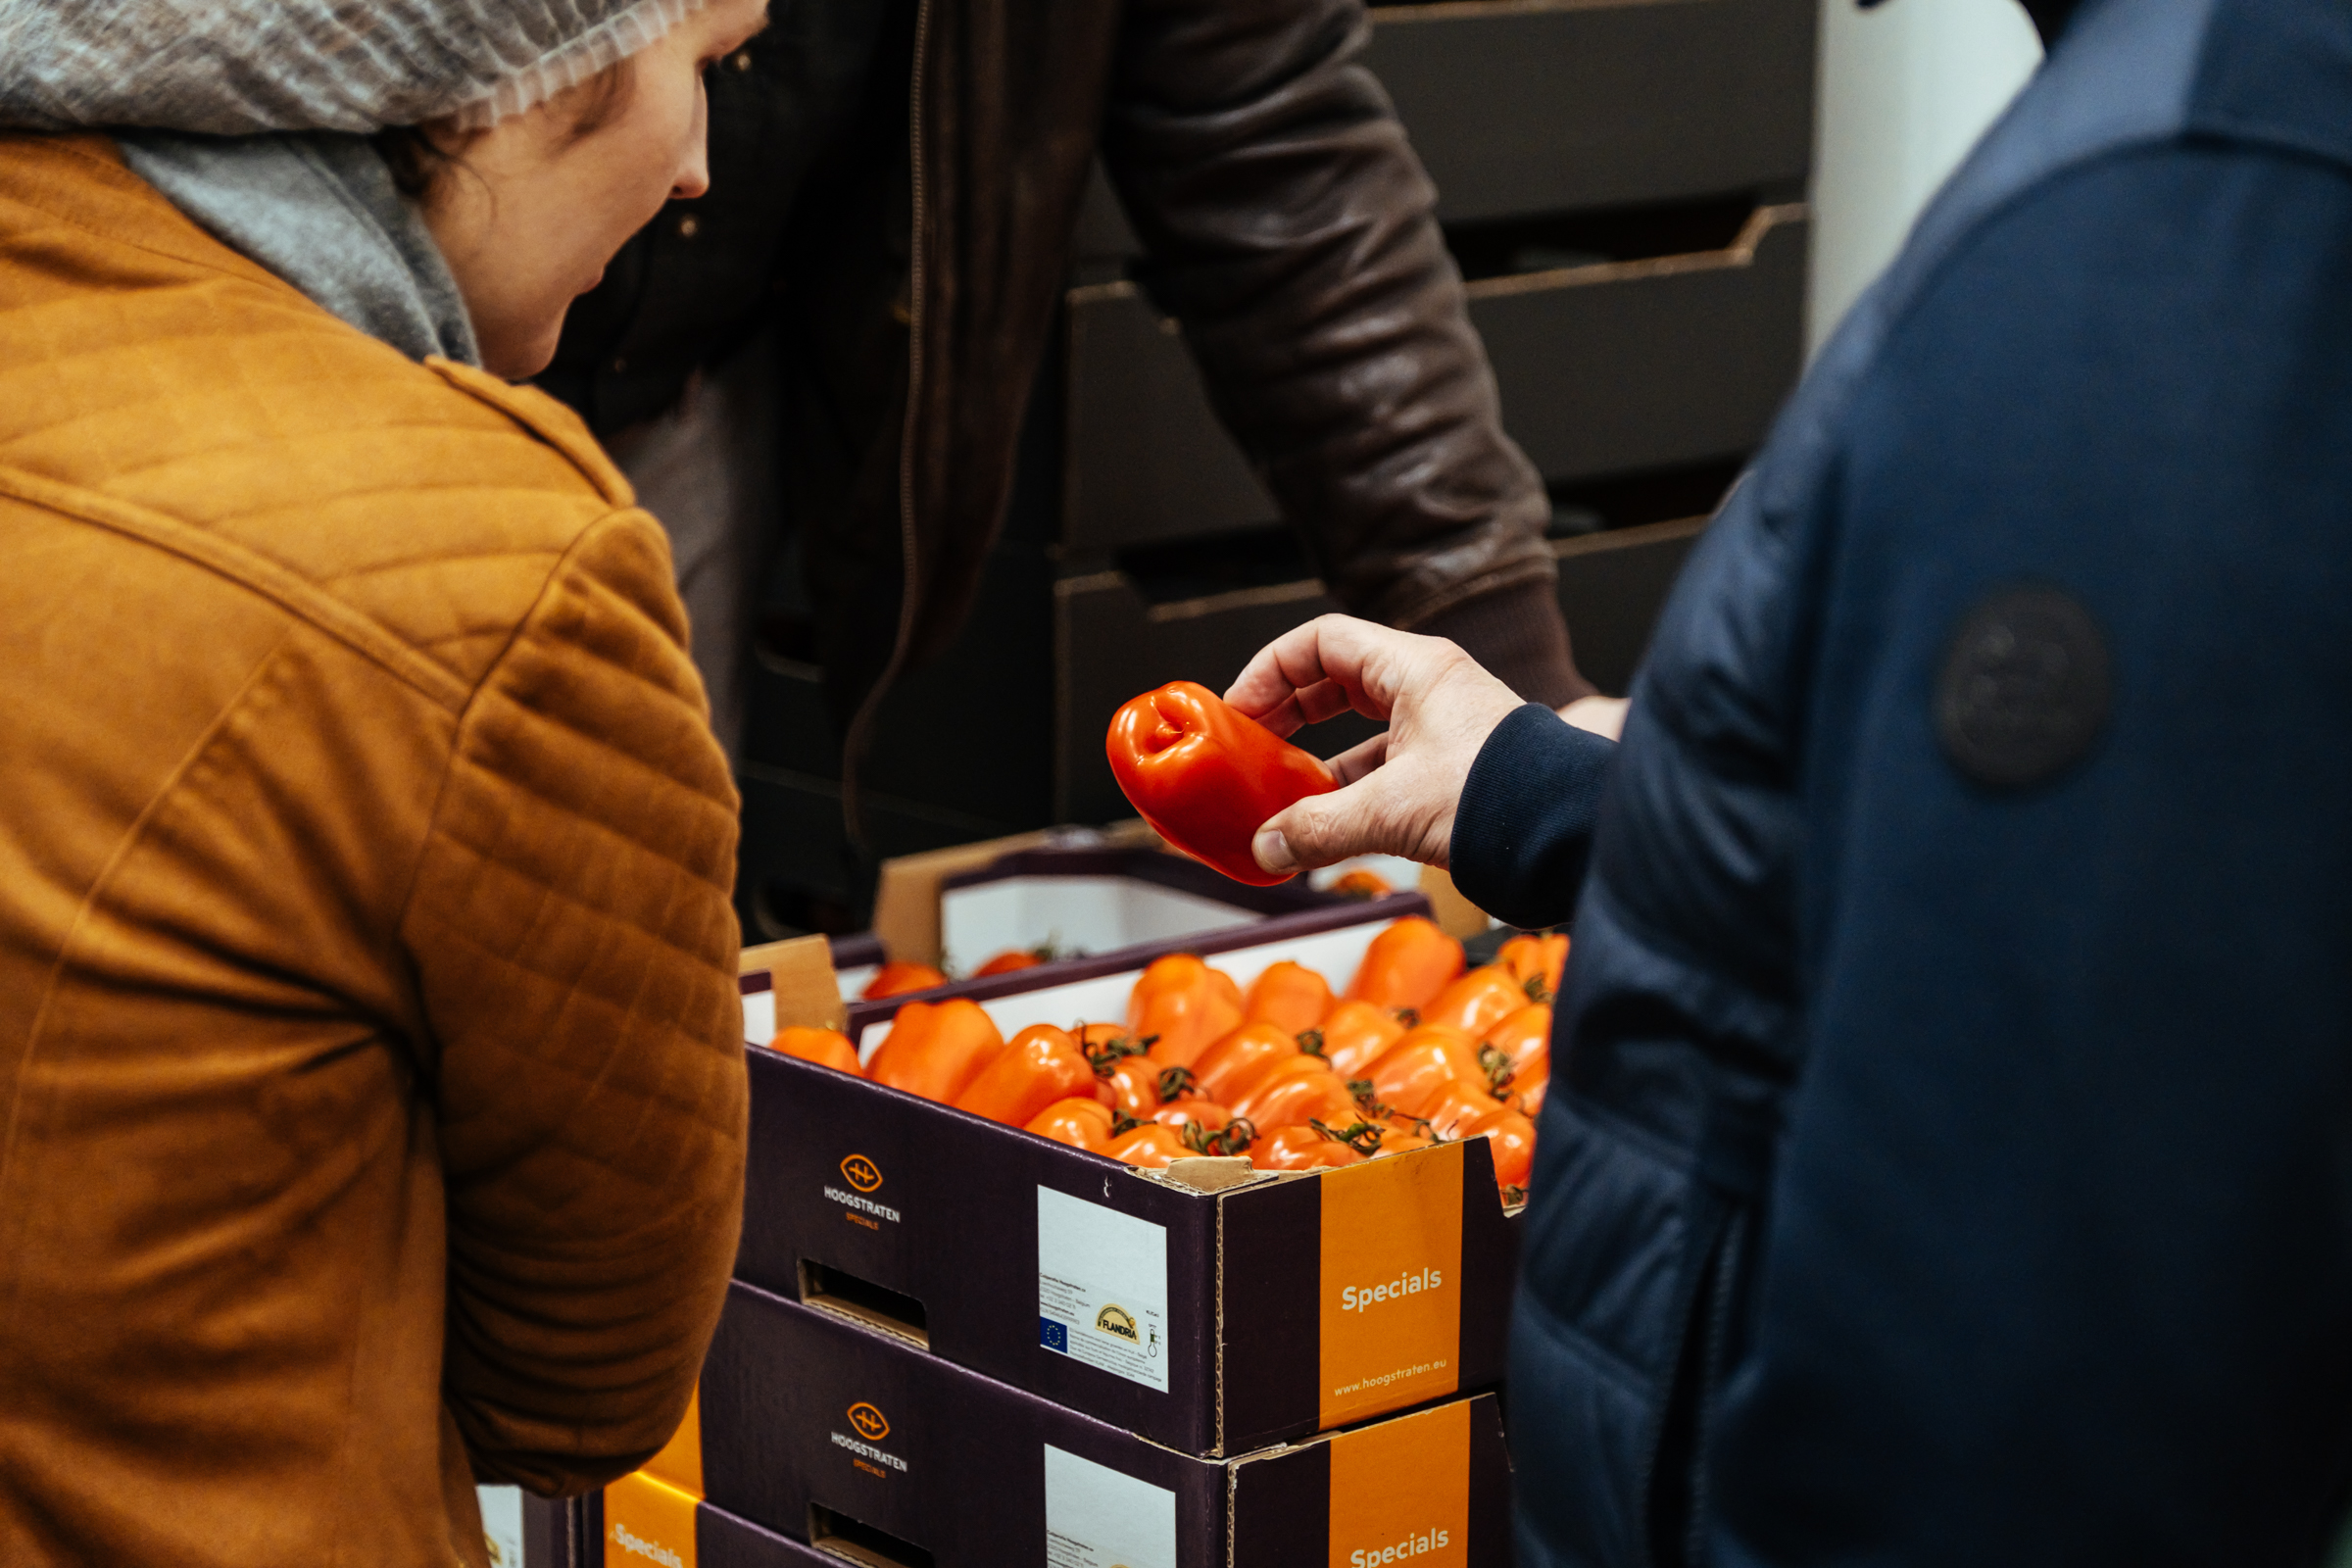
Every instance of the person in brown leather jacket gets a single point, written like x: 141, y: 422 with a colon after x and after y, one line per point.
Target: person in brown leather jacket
x: 896, y: 186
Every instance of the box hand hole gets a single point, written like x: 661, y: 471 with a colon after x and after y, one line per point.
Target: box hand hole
x: 844, y: 1293
x: 840, y: 1536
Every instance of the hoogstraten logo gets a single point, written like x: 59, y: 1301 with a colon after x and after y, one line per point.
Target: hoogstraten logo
x: 863, y: 1205
x: 628, y: 1539
x: 869, y: 1422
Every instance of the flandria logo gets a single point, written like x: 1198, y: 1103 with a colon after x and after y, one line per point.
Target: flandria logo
x: 862, y: 1173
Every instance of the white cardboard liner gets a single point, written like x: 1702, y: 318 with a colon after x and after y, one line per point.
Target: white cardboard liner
x: 1334, y: 955
x: 1077, y: 914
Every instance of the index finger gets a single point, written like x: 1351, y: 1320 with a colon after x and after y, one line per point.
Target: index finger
x: 1316, y: 672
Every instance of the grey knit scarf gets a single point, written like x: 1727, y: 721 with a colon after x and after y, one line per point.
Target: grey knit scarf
x: 321, y: 212
x: 238, y: 103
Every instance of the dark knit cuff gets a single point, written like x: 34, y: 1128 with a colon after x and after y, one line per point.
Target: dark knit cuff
x: 1520, y: 637
x: 1523, y: 828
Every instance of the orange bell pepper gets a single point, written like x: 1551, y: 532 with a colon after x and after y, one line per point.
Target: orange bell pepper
x: 1401, y: 1140
x: 1406, y: 965
x: 1180, y: 1010
x: 1150, y: 1146
x: 1228, y: 989
x: 1298, y: 1065
x: 1206, y: 777
x: 1292, y: 1098
x: 1301, y: 1147
x: 1289, y: 995
x: 1361, y: 884
x: 1523, y: 1042
x: 1513, y: 1140
x: 1528, y: 1089
x: 1135, y: 1087
x: 1205, y: 1114
x: 1207, y: 1128
x: 1229, y: 1069
x: 1123, y: 1075
x: 1040, y: 1065
x: 1454, y: 1107
x: 1353, y: 1036
x: 1537, y: 962
x: 1009, y: 963
x: 900, y: 976
x: 1521, y: 1036
x: 827, y: 1047
x: 1409, y: 1074
x: 1477, y: 1001
x: 1081, y: 1123
x: 936, y: 1048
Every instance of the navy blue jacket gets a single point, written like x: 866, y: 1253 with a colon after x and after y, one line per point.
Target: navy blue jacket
x: 1952, y: 1162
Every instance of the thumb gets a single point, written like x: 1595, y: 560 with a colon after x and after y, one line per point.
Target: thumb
x: 1323, y: 829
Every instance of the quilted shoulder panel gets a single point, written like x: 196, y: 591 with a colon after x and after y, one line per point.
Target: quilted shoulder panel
x: 143, y: 361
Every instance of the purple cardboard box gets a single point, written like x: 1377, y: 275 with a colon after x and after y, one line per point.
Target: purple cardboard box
x: 822, y: 1430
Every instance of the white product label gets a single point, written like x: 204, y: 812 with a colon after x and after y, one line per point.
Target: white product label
x: 760, y: 1016
x: 1098, y: 1517
x: 1102, y: 1287
x: 502, y: 1524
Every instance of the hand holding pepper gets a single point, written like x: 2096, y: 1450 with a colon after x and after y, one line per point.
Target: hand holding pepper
x: 1206, y: 777
x: 1399, y: 788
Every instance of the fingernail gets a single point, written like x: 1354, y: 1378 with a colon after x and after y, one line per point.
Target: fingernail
x: 1273, y: 851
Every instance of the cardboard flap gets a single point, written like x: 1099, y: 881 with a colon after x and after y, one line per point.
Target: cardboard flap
x: 1210, y: 1173
x: 1454, y: 915
x: 799, y: 972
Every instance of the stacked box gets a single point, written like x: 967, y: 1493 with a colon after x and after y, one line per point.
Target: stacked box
x: 952, y: 1342
x: 814, y: 1434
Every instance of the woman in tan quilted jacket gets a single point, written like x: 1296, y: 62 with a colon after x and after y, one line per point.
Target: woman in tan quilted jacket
x: 371, y: 1098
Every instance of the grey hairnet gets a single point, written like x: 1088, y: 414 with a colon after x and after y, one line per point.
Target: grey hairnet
x: 235, y: 68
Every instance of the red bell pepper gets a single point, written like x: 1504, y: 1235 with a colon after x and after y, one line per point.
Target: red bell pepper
x: 1207, y: 777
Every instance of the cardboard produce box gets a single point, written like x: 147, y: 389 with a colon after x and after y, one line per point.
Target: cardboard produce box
x: 851, y: 1441
x: 642, y: 1522
x: 1209, y: 1307
x: 1107, y: 903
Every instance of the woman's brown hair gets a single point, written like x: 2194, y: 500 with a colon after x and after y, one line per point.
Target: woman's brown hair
x: 421, y: 157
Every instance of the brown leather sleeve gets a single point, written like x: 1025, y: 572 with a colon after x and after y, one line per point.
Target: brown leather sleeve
x: 1291, y: 231
x: 574, y: 951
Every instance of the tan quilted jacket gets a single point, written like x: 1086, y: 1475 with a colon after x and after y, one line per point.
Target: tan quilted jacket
x: 371, y: 1094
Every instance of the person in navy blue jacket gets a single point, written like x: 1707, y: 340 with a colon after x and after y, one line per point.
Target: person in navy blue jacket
x: 1951, y: 1162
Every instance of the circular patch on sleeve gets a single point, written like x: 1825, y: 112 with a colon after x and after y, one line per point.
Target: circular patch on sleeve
x: 2025, y: 687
